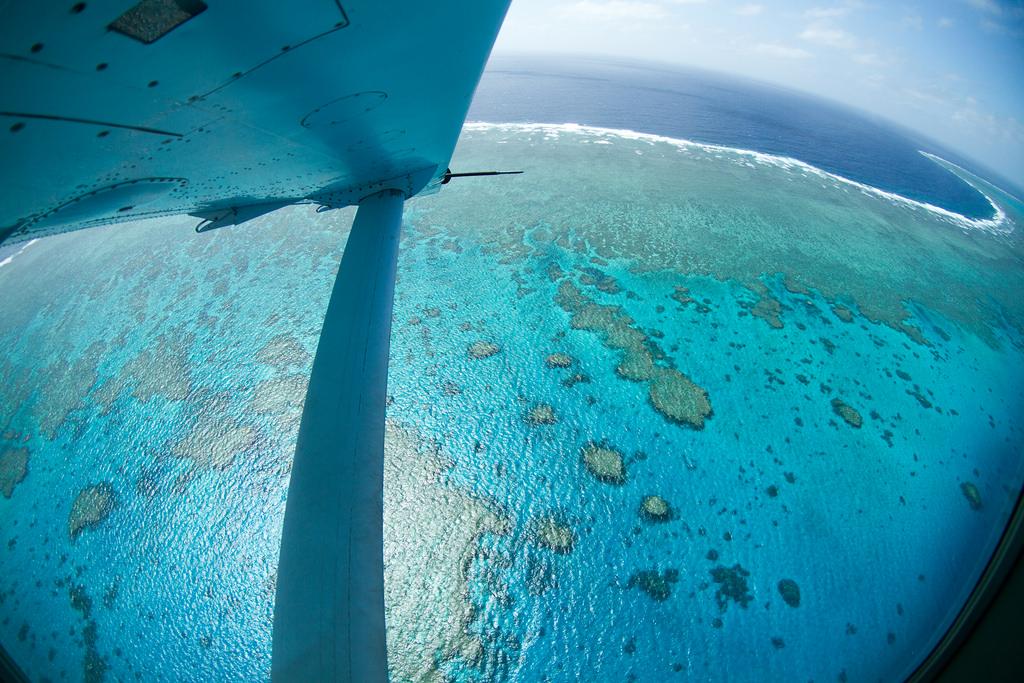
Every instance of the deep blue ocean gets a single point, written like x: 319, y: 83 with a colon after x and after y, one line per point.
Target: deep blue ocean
x: 738, y: 299
x: 714, y: 108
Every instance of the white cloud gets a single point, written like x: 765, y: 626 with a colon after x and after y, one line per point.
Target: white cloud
x: 829, y: 36
x: 1001, y: 130
x: 922, y: 97
x: 748, y: 10
x: 1001, y: 18
x: 869, y: 59
x: 874, y: 80
x: 782, y: 51
x: 827, y: 12
x: 989, y: 6
x: 604, y: 10
x: 912, y: 21
x: 945, y: 22
x: 999, y: 29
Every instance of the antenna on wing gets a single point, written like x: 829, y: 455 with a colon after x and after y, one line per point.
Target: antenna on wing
x: 448, y: 175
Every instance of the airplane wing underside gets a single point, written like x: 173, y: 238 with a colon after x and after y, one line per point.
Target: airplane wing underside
x: 116, y: 110
x: 113, y: 110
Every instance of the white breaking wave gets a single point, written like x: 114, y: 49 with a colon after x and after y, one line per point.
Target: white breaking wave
x: 18, y: 253
x: 999, y: 223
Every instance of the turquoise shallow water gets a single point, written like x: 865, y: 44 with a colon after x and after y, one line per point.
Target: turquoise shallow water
x: 172, y: 366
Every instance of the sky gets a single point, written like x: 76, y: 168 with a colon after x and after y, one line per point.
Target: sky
x: 950, y: 69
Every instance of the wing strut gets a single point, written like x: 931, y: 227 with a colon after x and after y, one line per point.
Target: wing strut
x: 329, y: 610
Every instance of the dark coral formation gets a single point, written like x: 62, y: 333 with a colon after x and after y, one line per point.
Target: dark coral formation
x: 732, y: 585
x: 13, y: 469
x: 675, y: 396
x: 657, y: 585
x: 483, y: 349
x: 972, y: 494
x: 92, y: 505
x: 790, y: 592
x: 766, y: 307
x: 843, y: 313
x: 94, y: 666
x: 606, y: 464
x: 554, y: 534
x: 672, y: 393
x: 682, y: 295
x: 655, y: 509
x: 848, y: 413
x: 574, y: 379
x: 541, y: 414
x: 914, y: 333
x: 916, y: 393
x: 598, y: 279
x: 559, y: 360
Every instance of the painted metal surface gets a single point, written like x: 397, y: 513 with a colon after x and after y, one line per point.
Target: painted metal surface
x: 329, y: 609
x: 245, y: 103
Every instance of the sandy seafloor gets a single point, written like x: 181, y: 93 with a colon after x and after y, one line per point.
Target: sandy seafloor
x: 162, y: 372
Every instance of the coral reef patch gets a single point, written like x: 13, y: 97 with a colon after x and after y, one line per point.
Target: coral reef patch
x: 483, y: 349
x: 848, y: 413
x: 13, y: 468
x: 766, y: 307
x: 92, y: 505
x: 282, y: 352
x: 554, y: 534
x: 657, y: 585
x: 432, y: 533
x: 215, y: 439
x: 671, y: 393
x: 541, y: 414
x: 732, y: 586
x: 790, y: 592
x: 655, y: 509
x: 606, y: 464
x: 559, y: 360
x: 162, y: 370
x: 94, y: 666
x: 843, y: 313
x: 972, y: 494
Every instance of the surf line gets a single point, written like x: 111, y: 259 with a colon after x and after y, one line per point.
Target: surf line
x: 997, y: 224
x: 18, y: 253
